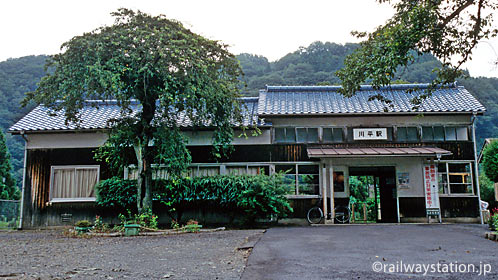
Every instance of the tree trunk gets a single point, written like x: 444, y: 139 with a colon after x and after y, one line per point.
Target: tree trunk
x: 144, y: 180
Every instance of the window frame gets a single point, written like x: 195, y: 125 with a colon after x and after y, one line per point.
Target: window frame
x: 445, y: 128
x: 447, y: 175
x: 343, y: 136
x: 74, y: 167
x: 296, y: 165
x: 307, y: 128
x: 407, y: 140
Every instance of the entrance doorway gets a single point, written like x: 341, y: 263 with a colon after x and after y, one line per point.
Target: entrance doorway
x: 374, y: 190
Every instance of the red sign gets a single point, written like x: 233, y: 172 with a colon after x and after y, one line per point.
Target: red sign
x: 431, y: 187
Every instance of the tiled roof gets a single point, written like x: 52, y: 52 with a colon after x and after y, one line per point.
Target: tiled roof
x: 278, y: 100
x: 305, y: 100
x: 97, y: 117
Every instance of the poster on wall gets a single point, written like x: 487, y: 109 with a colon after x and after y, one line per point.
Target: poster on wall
x: 403, y: 180
x: 431, y: 187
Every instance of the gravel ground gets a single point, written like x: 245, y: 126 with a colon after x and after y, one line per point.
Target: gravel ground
x: 48, y: 254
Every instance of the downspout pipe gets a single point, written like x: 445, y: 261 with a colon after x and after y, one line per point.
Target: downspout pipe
x: 23, y: 189
x: 476, y: 166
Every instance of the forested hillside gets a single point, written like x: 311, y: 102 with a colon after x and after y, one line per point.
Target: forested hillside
x: 17, y: 76
x: 313, y: 65
x: 317, y: 63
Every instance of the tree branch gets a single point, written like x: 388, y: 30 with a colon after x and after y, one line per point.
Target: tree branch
x: 455, y: 13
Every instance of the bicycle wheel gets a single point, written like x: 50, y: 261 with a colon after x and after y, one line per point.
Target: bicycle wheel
x: 342, y: 214
x: 315, y: 215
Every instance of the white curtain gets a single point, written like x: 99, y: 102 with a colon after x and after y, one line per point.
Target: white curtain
x: 86, y: 181
x: 236, y: 170
x: 74, y: 183
x: 63, y: 183
x: 208, y: 171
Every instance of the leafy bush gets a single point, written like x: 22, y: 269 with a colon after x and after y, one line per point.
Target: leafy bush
x: 490, y: 163
x: 83, y: 223
x: 493, y: 220
x: 147, y: 219
x: 192, y: 226
x: 116, y: 192
x: 252, y: 197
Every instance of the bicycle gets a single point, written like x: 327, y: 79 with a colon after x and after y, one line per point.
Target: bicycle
x: 315, y: 214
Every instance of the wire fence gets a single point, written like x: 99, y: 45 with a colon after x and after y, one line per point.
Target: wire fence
x: 9, y: 213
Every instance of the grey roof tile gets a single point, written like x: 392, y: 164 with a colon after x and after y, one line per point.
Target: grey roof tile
x: 92, y: 117
x: 310, y: 100
x: 277, y: 100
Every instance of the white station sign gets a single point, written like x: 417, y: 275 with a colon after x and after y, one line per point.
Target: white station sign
x: 369, y: 133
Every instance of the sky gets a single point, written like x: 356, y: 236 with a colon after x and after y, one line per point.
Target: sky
x: 271, y: 28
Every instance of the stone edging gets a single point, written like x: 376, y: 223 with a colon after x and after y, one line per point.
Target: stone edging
x: 492, y: 235
x: 154, y: 233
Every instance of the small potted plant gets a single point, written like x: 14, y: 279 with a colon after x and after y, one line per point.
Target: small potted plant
x: 82, y: 226
x: 131, y: 226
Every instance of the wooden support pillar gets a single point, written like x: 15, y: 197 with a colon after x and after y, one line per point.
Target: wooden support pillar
x: 324, y: 190
x: 331, y: 188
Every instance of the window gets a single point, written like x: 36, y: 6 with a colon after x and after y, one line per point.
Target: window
x: 307, y: 135
x: 456, y: 133
x: 407, y: 134
x: 300, y: 179
x: 330, y: 134
x: 448, y: 133
x: 73, y: 183
x: 285, y: 135
x: 433, y: 133
x: 455, y: 178
x: 247, y: 170
x: 293, y: 135
x: 462, y: 133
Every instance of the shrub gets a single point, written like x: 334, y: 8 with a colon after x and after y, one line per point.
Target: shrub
x: 493, y: 220
x: 83, y: 223
x: 116, y: 192
x: 147, y: 219
x: 99, y: 225
x: 252, y: 197
x: 192, y: 226
x: 490, y: 163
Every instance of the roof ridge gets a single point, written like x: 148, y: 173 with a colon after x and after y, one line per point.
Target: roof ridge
x: 270, y: 88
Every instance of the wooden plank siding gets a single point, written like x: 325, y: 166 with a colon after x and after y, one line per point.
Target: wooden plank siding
x: 37, y: 212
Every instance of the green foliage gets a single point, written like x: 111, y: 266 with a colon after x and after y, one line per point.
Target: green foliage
x: 174, y: 74
x: 493, y: 219
x: 100, y: 226
x: 146, y: 219
x: 490, y: 161
x: 486, y: 188
x: 449, y: 30
x: 192, y: 226
x: 83, y: 223
x: 17, y: 76
x: 8, y: 188
x: 116, y: 192
x: 249, y: 196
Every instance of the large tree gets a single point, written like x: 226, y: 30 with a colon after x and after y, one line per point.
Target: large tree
x: 449, y: 30
x: 176, y: 76
x: 8, y: 188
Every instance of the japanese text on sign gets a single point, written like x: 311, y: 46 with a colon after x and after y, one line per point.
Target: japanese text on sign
x: 370, y: 133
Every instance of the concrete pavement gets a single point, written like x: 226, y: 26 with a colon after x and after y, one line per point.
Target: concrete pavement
x: 349, y: 252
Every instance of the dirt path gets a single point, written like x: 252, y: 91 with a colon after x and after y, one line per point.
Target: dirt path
x: 51, y: 255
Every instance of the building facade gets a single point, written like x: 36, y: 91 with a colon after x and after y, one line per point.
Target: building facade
x: 420, y: 160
